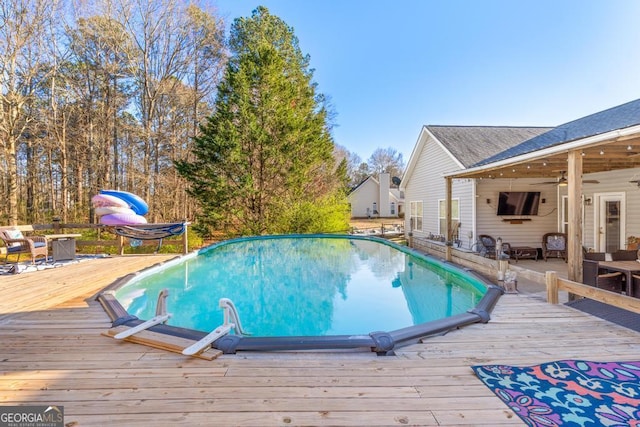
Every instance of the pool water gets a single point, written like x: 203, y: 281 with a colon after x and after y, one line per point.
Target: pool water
x: 305, y: 286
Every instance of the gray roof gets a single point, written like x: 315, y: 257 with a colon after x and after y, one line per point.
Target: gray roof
x: 620, y: 117
x: 472, y: 144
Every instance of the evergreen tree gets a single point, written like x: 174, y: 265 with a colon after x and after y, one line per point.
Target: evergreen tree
x: 263, y: 162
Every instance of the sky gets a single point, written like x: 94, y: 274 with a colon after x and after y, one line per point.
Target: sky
x: 391, y: 67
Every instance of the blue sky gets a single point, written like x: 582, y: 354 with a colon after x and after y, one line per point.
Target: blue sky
x: 390, y: 67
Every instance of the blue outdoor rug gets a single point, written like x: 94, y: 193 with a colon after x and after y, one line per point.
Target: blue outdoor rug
x: 568, y: 392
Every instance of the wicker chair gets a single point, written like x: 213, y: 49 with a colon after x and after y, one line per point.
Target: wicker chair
x: 595, y: 276
x: 624, y: 255
x: 18, y: 244
x: 489, y: 247
x: 554, y: 244
x: 633, y: 289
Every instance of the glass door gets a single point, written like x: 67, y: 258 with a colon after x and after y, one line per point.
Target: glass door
x: 610, y: 224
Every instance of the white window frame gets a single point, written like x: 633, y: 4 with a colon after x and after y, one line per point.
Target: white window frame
x: 416, y: 215
x: 455, y: 213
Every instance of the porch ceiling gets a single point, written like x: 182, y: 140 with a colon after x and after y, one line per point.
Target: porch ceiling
x: 621, y: 153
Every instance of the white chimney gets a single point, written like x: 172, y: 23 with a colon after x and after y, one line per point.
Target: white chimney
x: 385, y: 206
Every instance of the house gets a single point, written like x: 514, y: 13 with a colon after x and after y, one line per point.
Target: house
x: 586, y: 171
x: 375, y: 198
x: 440, y: 149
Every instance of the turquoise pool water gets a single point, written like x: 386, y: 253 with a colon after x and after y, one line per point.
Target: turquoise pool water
x: 305, y: 286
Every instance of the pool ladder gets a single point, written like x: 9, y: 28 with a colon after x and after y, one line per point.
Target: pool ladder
x: 161, y: 317
x: 231, y: 321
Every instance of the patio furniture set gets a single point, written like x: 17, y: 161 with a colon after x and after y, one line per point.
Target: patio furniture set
x: 621, y: 274
x: 553, y: 245
x: 63, y: 246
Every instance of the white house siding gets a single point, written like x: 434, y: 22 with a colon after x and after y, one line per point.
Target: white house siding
x: 427, y: 184
x: 364, y: 197
x: 530, y: 231
x: 612, y: 182
x: 373, y: 191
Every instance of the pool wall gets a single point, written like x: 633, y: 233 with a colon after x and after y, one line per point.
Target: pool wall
x: 381, y: 342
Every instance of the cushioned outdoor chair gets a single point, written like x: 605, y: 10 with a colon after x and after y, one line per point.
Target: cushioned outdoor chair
x: 16, y: 244
x: 554, y: 244
x: 489, y: 247
x: 593, y: 275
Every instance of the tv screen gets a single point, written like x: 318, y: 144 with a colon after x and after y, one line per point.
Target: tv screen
x: 518, y: 202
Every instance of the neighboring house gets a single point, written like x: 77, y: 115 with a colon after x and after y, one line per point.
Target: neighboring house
x: 373, y: 198
x: 442, y: 149
x: 482, y: 162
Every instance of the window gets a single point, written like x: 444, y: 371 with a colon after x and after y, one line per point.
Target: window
x: 416, y: 216
x: 455, y: 213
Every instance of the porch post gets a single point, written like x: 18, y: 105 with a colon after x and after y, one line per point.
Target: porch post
x: 574, y: 228
x: 447, y: 215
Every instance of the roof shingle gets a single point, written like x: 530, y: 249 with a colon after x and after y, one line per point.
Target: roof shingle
x: 619, y: 117
x: 472, y: 144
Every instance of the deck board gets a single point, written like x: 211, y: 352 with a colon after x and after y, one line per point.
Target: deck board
x: 53, y: 352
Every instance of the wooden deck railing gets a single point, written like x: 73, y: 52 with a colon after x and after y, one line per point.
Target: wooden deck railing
x: 556, y: 284
x: 56, y: 227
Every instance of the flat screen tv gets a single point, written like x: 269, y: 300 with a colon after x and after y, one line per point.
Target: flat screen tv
x: 518, y: 202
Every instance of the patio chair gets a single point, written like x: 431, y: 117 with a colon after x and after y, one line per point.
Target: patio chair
x: 17, y: 244
x: 489, y: 247
x: 624, y: 255
x: 633, y: 289
x: 593, y: 275
x: 554, y: 244
x: 595, y: 256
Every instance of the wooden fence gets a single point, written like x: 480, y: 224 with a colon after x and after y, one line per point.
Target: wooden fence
x: 56, y: 227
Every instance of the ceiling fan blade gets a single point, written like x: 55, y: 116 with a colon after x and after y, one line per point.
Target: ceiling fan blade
x: 591, y: 181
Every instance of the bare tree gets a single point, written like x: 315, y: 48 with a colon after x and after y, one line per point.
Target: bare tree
x: 386, y: 160
x: 107, y: 93
x: 100, y: 48
x: 22, y: 27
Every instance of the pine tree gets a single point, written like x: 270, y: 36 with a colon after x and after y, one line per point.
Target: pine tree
x: 263, y: 162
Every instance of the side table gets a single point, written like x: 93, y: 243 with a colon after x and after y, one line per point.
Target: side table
x: 63, y: 246
x: 524, y: 252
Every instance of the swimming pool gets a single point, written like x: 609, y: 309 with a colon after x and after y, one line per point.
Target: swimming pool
x: 309, y: 291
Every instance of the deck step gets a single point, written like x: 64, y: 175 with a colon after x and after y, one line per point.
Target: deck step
x: 162, y: 341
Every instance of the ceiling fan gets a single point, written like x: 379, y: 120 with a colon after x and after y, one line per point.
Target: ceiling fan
x: 562, y: 180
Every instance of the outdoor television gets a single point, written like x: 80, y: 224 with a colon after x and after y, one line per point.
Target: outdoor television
x: 518, y: 202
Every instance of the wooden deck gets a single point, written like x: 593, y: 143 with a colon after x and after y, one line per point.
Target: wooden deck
x: 53, y: 352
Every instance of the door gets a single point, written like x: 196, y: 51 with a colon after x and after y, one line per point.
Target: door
x: 610, y: 222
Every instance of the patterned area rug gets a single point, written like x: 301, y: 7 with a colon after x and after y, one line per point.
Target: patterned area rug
x: 568, y: 392
x: 27, y: 267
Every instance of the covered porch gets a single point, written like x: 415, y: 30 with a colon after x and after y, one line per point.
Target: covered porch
x: 565, y: 156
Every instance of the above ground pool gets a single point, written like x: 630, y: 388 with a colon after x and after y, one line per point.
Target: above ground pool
x: 306, y: 292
